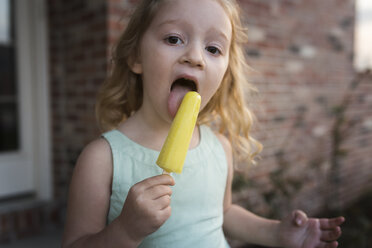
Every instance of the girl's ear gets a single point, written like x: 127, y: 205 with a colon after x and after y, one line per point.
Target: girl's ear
x: 135, y: 65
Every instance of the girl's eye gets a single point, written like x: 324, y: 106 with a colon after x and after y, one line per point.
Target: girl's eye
x: 213, y: 50
x: 173, y: 40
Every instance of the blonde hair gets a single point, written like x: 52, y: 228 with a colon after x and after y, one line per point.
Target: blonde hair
x: 121, y: 94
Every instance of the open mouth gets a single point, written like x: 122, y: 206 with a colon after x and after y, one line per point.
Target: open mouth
x: 185, y: 83
x: 178, y: 90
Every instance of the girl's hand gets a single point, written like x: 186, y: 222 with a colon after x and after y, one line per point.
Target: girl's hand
x: 147, y: 206
x: 298, y: 231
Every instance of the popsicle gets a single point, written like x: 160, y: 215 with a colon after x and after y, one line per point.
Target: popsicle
x: 173, y: 153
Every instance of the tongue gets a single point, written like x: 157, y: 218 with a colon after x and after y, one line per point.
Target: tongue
x: 175, y: 98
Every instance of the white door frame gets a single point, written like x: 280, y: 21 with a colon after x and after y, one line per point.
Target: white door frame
x: 29, y: 169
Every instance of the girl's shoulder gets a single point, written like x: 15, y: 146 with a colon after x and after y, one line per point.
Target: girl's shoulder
x: 95, y: 162
x: 98, y: 149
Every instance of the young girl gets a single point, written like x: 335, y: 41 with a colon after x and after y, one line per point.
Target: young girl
x: 118, y: 197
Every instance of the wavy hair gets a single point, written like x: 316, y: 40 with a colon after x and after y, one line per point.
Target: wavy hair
x: 121, y: 94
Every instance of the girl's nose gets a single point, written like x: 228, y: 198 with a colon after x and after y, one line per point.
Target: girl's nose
x: 193, y: 56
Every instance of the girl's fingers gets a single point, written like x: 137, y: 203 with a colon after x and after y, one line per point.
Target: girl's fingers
x: 299, y: 217
x: 331, y: 223
x: 143, y: 186
x: 333, y: 244
x: 158, y: 191
x: 166, y: 212
x: 331, y: 234
x: 158, y: 180
x: 163, y: 202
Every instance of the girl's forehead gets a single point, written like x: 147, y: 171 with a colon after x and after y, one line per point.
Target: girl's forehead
x: 175, y: 7
x: 200, y: 13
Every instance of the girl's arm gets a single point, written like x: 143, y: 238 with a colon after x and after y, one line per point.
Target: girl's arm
x: 145, y: 209
x: 294, y: 231
x: 88, y: 201
x: 239, y: 223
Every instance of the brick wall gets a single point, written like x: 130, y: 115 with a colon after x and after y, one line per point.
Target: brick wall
x: 78, y: 65
x: 301, y: 57
x: 82, y: 34
x: 300, y: 52
x: 355, y: 161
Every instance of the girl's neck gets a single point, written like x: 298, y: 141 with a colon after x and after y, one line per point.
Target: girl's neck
x: 149, y: 133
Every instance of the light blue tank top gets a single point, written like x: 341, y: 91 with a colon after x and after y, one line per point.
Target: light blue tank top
x: 197, y: 199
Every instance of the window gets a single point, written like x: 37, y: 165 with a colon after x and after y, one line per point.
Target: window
x: 9, y: 129
x: 24, y: 100
x: 363, y: 35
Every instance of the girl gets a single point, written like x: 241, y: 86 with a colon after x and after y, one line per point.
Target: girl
x: 118, y: 197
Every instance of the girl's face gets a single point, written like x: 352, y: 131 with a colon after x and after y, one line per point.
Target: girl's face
x: 186, y: 47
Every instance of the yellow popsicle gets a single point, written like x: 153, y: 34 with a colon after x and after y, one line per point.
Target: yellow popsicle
x: 173, y: 153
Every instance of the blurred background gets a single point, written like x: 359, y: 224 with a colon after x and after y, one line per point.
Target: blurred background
x: 310, y: 61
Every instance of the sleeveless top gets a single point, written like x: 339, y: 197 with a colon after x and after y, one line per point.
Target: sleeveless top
x: 197, y: 199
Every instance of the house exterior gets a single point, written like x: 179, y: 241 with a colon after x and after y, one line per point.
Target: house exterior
x: 58, y: 53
